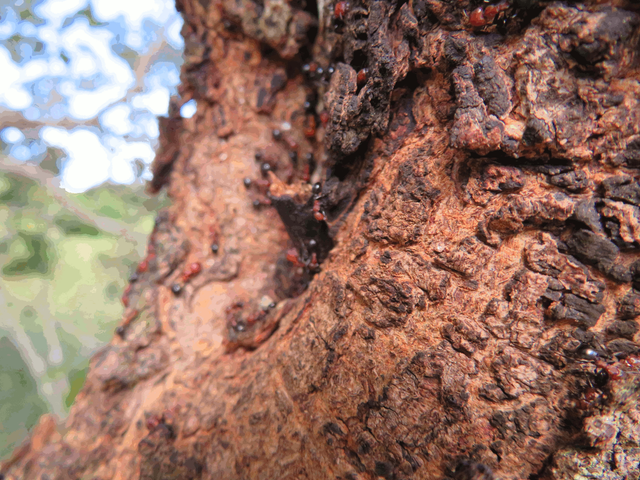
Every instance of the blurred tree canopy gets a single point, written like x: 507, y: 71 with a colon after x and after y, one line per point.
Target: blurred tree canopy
x: 65, y: 260
x: 83, y: 83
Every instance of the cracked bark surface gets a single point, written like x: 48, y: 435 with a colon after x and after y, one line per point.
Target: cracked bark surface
x: 474, y: 313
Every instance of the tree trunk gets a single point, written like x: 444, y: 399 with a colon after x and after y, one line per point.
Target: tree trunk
x: 454, y: 299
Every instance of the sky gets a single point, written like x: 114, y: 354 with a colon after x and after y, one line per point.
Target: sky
x: 61, y: 64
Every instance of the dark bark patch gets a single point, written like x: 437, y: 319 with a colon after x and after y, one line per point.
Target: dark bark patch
x: 623, y: 347
x: 626, y: 329
x: 302, y: 226
x: 623, y: 188
x: 629, y: 306
x: 587, y: 214
x: 398, y: 217
x: 578, y: 310
x: 471, y: 470
x: 593, y: 249
x: 492, y: 87
x: 574, y: 181
x: 593, y: 45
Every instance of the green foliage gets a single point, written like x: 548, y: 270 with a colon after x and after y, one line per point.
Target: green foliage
x: 20, y: 404
x: 76, y: 381
x: 72, y: 226
x: 16, y: 190
x: 64, y: 261
x: 37, y: 260
x: 119, y: 202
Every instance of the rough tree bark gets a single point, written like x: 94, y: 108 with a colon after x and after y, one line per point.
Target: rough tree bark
x: 476, y: 229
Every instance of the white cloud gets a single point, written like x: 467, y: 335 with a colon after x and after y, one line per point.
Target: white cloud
x: 136, y: 151
x: 57, y: 67
x: 84, y: 45
x: 33, y: 70
x: 57, y: 10
x: 189, y: 109
x: 12, y: 93
x: 84, y: 104
x: 92, y: 161
x: 66, y: 88
x: 149, y: 124
x: 80, y: 38
x: 173, y: 32
x: 12, y: 135
x: 83, y: 65
x: 88, y: 161
x: 117, y: 120
x: 122, y: 170
x: 92, y: 81
x: 134, y: 12
x: 49, y: 35
x: 122, y: 166
x: 134, y: 40
x: 156, y: 101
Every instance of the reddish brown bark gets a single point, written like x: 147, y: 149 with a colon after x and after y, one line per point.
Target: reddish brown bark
x: 473, y: 314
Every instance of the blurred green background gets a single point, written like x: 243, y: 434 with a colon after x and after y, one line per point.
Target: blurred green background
x: 82, y: 83
x: 65, y: 260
